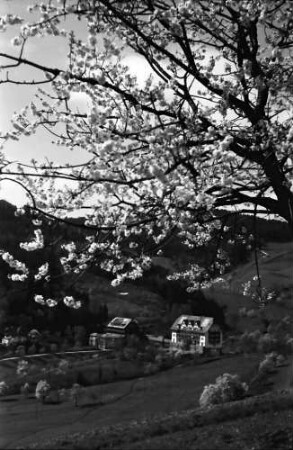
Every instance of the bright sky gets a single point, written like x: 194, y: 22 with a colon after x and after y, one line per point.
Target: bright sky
x: 15, y: 97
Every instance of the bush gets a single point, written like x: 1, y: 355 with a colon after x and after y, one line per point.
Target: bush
x: 249, y: 341
x: 267, y: 343
x: 25, y: 390
x: 268, y: 364
x: 20, y: 350
x: 53, y: 397
x: 42, y: 390
x: 280, y: 360
x: 3, y: 388
x: 75, y: 393
x: 150, y: 368
x: 22, y: 368
x: 226, y: 389
x: 63, y: 366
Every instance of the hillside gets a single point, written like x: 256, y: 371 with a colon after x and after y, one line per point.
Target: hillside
x: 275, y: 264
x: 276, y: 270
x: 153, y: 301
x: 258, y: 423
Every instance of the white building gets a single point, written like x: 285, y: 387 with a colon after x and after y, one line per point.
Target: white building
x: 199, y: 331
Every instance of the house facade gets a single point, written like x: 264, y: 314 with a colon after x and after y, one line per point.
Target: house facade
x: 116, y: 333
x: 199, y: 332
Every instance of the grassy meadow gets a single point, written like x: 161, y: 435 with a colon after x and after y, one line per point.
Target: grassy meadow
x: 173, y: 390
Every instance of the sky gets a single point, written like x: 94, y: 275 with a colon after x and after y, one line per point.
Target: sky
x: 14, y: 97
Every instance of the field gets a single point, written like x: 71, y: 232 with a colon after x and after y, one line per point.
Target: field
x: 23, y: 421
x: 257, y: 423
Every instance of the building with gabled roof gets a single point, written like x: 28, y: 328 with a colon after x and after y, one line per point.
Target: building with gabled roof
x: 117, y: 331
x: 199, y: 331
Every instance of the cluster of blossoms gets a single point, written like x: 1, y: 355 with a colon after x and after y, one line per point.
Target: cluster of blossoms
x: 36, y: 244
x: 22, y: 367
x: 49, y: 301
x: 196, y: 276
x: 68, y: 301
x: 15, y: 264
x: 260, y: 294
x: 9, y: 19
x: 71, y: 302
x: 42, y: 272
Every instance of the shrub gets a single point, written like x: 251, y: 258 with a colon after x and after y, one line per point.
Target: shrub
x: 22, y: 368
x: 63, y: 366
x: 267, y: 343
x: 20, y: 350
x: 249, y: 341
x: 227, y: 388
x: 280, y: 360
x: 129, y: 353
x: 42, y: 390
x: 3, y: 388
x: 268, y: 364
x: 150, y: 368
x: 75, y: 393
x: 25, y: 389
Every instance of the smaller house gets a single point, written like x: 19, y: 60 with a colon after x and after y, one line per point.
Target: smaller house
x: 198, y: 331
x: 116, y: 333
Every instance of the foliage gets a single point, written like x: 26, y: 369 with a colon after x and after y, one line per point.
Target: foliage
x: 3, y: 387
x: 227, y: 388
x: 42, y: 390
x: 22, y: 367
x: 270, y: 361
x: 249, y: 342
x: 25, y: 389
x: 209, y: 129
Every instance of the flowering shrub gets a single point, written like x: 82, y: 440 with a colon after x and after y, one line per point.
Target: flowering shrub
x: 22, y: 368
x: 63, y: 366
x: 268, y: 364
x: 25, y: 389
x: 227, y: 388
x: 42, y: 390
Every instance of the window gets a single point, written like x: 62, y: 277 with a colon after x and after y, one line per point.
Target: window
x: 195, y: 339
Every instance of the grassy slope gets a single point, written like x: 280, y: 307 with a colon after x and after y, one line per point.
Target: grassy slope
x: 276, y: 270
x: 257, y: 423
x: 276, y: 267
x: 174, y: 390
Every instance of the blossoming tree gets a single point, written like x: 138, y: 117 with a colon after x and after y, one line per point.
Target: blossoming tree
x: 210, y: 128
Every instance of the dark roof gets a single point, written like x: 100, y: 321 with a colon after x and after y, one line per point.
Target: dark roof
x: 119, y: 323
x: 199, y: 324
